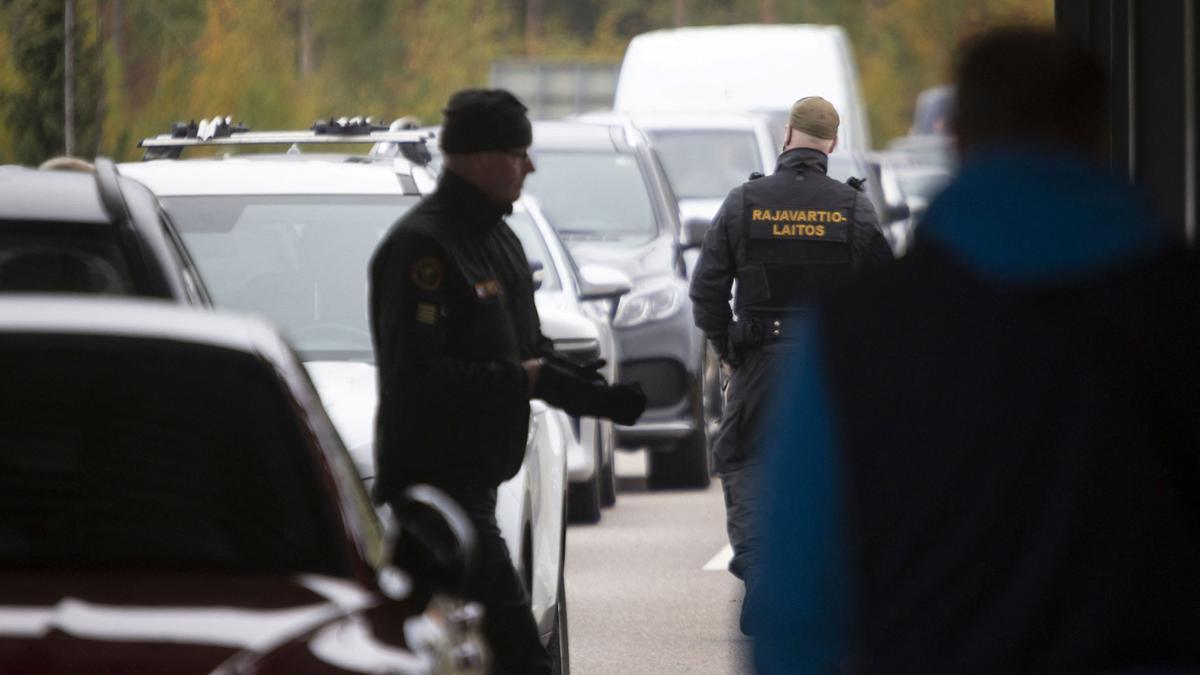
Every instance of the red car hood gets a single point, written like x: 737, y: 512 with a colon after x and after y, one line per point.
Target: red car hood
x: 192, y: 623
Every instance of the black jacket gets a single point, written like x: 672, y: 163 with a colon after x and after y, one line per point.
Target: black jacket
x: 452, y: 317
x: 830, y: 229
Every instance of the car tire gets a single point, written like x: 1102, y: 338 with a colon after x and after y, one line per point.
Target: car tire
x: 584, y: 499
x: 559, y: 645
x: 686, y: 464
x: 608, y: 474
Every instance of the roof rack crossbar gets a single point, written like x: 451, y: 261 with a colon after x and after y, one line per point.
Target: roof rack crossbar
x: 287, y: 138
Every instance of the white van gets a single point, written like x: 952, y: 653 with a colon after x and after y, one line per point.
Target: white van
x: 761, y: 68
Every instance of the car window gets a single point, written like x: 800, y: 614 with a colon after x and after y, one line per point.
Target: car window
x: 193, y: 285
x: 706, y: 163
x: 777, y: 121
x: 62, y: 258
x: 301, y: 261
x: 124, y: 453
x: 922, y: 182
x: 843, y: 167
x: 593, y: 195
x: 535, y: 247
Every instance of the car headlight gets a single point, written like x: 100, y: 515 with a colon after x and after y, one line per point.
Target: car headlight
x: 652, y: 303
x: 597, y: 310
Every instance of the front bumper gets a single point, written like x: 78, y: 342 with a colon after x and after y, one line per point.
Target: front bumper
x: 664, y: 357
x: 653, y: 433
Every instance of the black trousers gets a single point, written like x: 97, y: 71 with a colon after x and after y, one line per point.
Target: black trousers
x: 511, y: 631
x: 737, y: 455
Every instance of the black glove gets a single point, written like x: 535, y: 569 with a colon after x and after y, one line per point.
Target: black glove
x: 731, y: 354
x: 627, y: 402
x: 558, y: 386
x: 743, y: 335
x: 588, y: 370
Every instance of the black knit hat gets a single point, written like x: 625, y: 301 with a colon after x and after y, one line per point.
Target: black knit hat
x: 478, y: 120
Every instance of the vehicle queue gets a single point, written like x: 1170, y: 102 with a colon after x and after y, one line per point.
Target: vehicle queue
x: 610, y: 224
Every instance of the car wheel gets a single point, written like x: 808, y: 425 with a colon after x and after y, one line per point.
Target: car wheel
x: 559, y: 645
x: 584, y: 499
x: 686, y: 464
x: 608, y: 474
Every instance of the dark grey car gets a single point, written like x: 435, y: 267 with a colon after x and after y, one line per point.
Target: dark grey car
x: 604, y: 191
x: 90, y: 233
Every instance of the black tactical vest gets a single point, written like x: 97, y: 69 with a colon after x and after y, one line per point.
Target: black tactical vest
x: 797, y: 231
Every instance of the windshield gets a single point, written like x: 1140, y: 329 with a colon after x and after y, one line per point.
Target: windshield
x: 593, y: 195
x: 706, y: 163
x: 535, y: 248
x: 299, y: 260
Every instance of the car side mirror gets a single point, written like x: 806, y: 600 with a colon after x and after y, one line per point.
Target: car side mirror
x: 432, y: 540
x: 694, y: 229
x: 597, y: 282
x: 537, y: 269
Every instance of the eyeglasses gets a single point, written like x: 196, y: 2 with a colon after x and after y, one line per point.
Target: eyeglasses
x: 522, y: 155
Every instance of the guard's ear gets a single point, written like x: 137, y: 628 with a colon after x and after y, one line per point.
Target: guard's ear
x: 787, y: 136
x: 833, y: 145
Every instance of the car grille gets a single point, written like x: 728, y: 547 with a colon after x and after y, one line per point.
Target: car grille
x: 664, y: 381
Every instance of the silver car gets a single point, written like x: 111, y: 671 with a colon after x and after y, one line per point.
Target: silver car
x: 575, y: 306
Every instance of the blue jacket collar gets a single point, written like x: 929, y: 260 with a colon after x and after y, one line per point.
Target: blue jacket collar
x: 1023, y: 217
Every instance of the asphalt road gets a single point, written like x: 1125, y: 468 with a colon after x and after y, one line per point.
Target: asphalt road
x: 639, y: 597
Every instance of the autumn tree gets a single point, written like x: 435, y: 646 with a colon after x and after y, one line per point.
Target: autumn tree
x: 142, y: 64
x: 32, y: 92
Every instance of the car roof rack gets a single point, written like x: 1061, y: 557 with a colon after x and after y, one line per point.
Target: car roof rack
x: 222, y: 131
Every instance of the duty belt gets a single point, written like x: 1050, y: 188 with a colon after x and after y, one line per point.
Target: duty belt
x: 754, y: 332
x: 772, y: 329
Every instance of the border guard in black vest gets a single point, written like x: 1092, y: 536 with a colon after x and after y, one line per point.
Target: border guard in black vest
x: 785, y: 238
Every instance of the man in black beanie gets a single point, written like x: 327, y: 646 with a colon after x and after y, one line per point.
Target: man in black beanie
x: 460, y: 351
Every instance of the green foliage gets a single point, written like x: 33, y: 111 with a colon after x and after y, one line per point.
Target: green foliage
x: 31, y: 92
x: 9, y: 82
x: 905, y: 46
x: 143, y: 64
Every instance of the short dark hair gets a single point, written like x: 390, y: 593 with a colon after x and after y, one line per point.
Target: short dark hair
x: 1023, y: 84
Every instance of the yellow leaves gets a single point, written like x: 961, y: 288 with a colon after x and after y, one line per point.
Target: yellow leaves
x: 188, y: 59
x: 244, y: 64
x: 906, y: 46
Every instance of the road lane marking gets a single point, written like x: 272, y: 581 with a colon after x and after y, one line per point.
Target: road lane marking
x: 720, y: 561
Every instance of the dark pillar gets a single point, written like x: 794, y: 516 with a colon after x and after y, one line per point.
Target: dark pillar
x: 1150, y: 49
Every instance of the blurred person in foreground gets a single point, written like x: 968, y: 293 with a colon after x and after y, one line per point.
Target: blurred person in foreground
x: 984, y: 459
x: 785, y: 239
x: 460, y: 352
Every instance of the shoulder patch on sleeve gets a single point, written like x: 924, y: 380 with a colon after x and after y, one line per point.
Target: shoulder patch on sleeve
x: 426, y: 274
x: 427, y: 313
